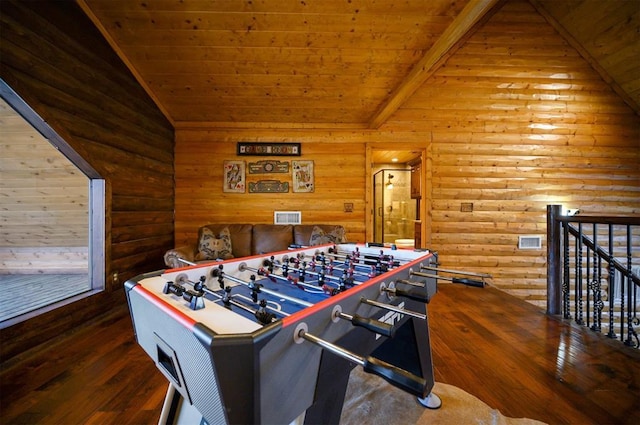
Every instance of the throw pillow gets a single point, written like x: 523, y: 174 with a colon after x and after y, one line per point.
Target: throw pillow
x: 320, y: 237
x: 213, y: 247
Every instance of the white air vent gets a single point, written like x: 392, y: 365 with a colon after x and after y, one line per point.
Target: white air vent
x: 530, y: 242
x: 287, y: 217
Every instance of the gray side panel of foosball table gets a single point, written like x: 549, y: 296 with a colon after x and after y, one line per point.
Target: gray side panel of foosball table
x: 195, y: 367
x: 288, y: 374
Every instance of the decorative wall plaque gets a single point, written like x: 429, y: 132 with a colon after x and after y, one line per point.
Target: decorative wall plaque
x: 234, y: 177
x: 268, y: 186
x: 267, y: 167
x: 302, y: 176
x: 269, y: 149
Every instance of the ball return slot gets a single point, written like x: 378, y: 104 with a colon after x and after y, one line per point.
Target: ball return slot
x: 396, y: 376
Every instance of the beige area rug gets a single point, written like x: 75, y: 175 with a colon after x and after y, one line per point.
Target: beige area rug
x: 372, y: 401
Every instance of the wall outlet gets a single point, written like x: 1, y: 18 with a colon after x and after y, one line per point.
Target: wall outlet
x: 466, y: 207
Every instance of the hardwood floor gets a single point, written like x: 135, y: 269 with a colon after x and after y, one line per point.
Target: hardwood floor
x: 502, y: 350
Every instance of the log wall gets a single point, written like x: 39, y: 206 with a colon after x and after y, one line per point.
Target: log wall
x: 516, y: 119
x: 520, y: 120
x: 339, y: 168
x: 53, y: 57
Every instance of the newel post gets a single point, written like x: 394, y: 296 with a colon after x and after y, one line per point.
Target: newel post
x: 554, y: 270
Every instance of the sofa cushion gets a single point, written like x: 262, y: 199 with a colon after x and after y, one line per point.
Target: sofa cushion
x: 241, y: 237
x: 212, y: 246
x: 320, y: 236
x: 271, y: 237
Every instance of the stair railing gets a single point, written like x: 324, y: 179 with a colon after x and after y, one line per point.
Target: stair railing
x: 593, y: 280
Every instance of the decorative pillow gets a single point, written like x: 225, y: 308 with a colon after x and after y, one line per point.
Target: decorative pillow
x: 320, y: 237
x: 212, y: 247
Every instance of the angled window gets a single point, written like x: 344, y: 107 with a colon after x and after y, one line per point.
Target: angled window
x: 51, y: 217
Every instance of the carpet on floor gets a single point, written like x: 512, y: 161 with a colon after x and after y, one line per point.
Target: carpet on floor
x: 372, y: 401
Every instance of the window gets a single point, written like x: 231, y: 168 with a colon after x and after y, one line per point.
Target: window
x: 51, y: 216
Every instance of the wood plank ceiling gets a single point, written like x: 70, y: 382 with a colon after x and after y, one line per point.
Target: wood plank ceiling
x: 324, y: 64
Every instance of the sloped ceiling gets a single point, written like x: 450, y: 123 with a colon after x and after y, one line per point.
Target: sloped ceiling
x: 330, y: 63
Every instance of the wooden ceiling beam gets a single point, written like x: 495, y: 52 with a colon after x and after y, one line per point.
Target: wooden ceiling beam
x: 460, y: 28
x: 87, y: 10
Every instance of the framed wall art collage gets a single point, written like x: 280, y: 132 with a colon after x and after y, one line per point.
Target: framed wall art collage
x: 268, y: 176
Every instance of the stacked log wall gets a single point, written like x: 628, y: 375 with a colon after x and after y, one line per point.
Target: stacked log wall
x: 53, y: 57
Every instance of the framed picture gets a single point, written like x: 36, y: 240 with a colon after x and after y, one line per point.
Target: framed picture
x: 269, y: 149
x: 234, y: 179
x: 302, y: 176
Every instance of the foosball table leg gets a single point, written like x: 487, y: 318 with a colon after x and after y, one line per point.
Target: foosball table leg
x: 432, y: 401
x: 177, y: 411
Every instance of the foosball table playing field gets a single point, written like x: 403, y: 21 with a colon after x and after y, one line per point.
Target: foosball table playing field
x: 271, y: 339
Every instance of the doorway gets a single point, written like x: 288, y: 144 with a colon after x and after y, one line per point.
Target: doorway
x: 394, y: 210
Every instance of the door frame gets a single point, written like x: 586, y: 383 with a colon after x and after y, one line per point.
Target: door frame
x: 425, y: 187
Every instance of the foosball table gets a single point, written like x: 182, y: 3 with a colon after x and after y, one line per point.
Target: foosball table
x: 271, y: 339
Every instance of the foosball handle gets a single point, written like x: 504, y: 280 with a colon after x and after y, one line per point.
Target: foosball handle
x: 468, y: 282
x: 413, y: 295
x: 374, y: 325
x: 397, y: 377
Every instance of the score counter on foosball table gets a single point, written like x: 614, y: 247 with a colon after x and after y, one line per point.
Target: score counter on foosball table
x: 272, y: 338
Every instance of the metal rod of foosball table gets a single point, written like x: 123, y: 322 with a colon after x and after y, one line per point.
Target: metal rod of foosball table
x: 267, y: 274
x: 334, y: 279
x: 267, y: 291
x: 411, y: 294
x: 369, y: 257
x: 437, y: 269
x: 268, y: 307
x: 394, y: 375
x: 351, y: 270
x: 184, y: 279
x: 410, y: 282
x: 464, y: 281
x: 373, y: 325
x: 324, y: 266
x: 187, y: 262
x: 395, y: 308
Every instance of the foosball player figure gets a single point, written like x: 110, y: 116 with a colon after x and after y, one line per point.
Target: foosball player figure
x: 200, y: 286
x: 255, y: 288
x: 330, y: 290
x: 173, y: 288
x: 219, y: 274
x: 301, y: 271
x: 263, y: 316
x: 226, y: 299
x: 195, y: 299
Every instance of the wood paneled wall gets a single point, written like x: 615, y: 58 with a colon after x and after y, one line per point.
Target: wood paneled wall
x: 339, y: 178
x: 56, y: 60
x: 515, y: 120
x: 520, y: 120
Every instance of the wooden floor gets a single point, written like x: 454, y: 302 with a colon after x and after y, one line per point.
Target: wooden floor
x: 504, y: 351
